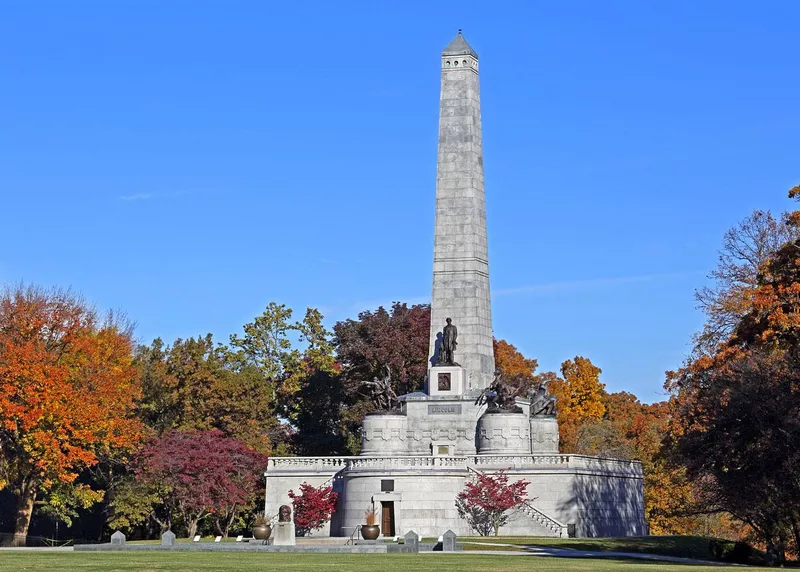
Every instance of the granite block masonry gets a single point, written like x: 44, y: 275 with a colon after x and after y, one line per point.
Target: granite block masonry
x: 460, y: 251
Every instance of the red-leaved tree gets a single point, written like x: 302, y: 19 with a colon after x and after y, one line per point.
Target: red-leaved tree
x: 201, y: 473
x: 313, y: 507
x: 485, y: 502
x: 397, y: 338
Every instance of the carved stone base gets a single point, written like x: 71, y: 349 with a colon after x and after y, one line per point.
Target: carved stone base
x: 446, y: 380
x: 384, y: 434
x: 544, y: 435
x: 504, y: 434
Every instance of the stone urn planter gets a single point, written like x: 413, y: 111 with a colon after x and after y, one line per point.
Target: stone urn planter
x: 261, y: 528
x: 261, y: 531
x: 370, y: 531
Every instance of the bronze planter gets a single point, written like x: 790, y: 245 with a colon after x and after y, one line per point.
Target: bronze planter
x: 370, y: 531
x: 261, y: 531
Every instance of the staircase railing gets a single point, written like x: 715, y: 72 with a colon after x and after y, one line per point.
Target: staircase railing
x: 354, y: 536
x: 545, y: 520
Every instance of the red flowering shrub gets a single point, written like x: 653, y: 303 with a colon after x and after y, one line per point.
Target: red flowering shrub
x: 484, y: 503
x: 313, y: 507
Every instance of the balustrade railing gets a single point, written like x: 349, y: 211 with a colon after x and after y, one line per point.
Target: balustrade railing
x: 483, y: 462
x: 334, y: 463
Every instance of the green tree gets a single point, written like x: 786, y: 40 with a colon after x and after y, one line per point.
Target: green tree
x: 285, y: 352
x: 195, y: 384
x: 266, y: 345
x: 322, y: 397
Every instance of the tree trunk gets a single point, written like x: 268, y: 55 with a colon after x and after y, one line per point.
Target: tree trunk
x: 222, y: 523
x: 191, y: 526
x: 163, y: 525
x: 27, y: 494
x: 781, y: 549
x: 229, y: 521
x: 193, y: 522
x: 796, y: 533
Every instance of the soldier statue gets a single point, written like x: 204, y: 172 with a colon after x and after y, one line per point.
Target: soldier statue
x: 543, y: 403
x: 500, y: 396
x: 381, y: 393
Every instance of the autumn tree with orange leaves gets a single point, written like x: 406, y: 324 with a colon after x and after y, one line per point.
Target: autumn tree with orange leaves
x: 67, y: 390
x: 518, y: 371
x: 508, y: 358
x: 736, y: 421
x: 745, y: 248
x: 579, y: 394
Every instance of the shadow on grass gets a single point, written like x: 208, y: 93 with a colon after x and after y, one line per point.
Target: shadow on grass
x: 689, y: 547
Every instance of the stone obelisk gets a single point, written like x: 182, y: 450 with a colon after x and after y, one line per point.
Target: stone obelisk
x: 460, y: 254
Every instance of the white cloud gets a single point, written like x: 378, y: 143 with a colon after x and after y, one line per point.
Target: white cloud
x: 136, y: 197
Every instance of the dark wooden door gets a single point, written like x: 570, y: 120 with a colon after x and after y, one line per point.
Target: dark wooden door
x: 387, y: 520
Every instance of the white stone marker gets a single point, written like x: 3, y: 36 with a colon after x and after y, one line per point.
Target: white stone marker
x: 168, y: 538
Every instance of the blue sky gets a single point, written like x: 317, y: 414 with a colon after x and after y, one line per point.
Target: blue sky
x: 190, y: 161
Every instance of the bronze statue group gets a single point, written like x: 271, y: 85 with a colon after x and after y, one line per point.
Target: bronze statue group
x: 499, y: 397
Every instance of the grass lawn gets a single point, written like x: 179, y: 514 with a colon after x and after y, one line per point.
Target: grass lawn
x: 190, y: 561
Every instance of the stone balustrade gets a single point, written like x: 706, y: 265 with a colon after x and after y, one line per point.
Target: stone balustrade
x: 479, y: 462
x: 318, y: 463
x: 389, y: 463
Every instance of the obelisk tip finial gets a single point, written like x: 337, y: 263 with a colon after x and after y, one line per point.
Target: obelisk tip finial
x: 459, y: 31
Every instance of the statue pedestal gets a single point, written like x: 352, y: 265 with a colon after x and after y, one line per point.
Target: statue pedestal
x: 503, y: 433
x: 544, y: 434
x: 283, y: 534
x: 446, y: 380
x: 384, y: 434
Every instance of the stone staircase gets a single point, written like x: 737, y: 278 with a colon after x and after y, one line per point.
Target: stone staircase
x: 549, y: 525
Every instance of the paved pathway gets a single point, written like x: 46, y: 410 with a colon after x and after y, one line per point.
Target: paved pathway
x: 37, y: 548
x: 570, y: 553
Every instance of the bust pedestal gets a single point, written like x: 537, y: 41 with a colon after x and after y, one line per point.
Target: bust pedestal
x: 283, y: 534
x: 446, y: 380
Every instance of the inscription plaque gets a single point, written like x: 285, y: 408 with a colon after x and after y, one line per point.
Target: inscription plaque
x: 444, y: 409
x: 444, y: 381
